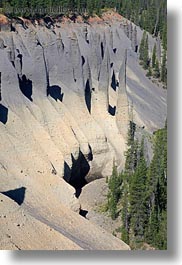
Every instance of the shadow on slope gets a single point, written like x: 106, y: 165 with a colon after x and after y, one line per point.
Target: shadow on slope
x: 114, y: 82
x: 83, y: 213
x: 112, y: 110
x: 88, y: 96
x: 75, y: 176
x: 26, y: 87
x: 3, y: 114
x: 16, y: 195
x: 55, y: 92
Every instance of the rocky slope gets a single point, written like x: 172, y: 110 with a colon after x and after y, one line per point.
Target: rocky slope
x: 65, y: 90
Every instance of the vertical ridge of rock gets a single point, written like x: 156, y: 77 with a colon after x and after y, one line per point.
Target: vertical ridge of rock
x: 104, y: 78
x: 76, y: 60
x: 122, y: 115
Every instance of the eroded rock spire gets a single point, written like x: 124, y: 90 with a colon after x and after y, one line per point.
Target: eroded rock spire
x: 122, y: 115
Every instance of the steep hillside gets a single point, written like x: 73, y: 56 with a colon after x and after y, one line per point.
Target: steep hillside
x: 65, y: 94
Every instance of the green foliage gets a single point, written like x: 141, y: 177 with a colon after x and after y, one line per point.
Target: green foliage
x: 124, y: 235
x: 144, y: 51
x: 156, y: 233
x: 125, y: 213
x: 155, y: 64
x: 142, y: 191
x: 149, y: 73
x: 164, y: 36
x: 131, y: 153
x: 151, y: 15
x: 137, y: 196
x: 154, y: 56
x: 156, y: 70
x: 103, y: 208
x: 142, y: 46
x: 114, y: 184
x: 164, y: 69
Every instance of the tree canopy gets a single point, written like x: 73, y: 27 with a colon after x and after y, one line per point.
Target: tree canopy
x: 142, y: 191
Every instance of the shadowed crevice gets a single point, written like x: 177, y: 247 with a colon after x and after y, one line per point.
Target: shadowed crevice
x: 115, y: 50
x: 48, y: 22
x: 73, y: 18
x: 3, y: 114
x: 20, y: 56
x: 113, y: 81
x: 136, y: 48
x: 12, y: 28
x: 75, y: 175
x: 90, y: 155
x: 55, y: 92
x: 88, y: 95
x: 102, y: 50
x: 67, y: 172
x: 83, y: 213
x: 26, y: 87
x: 83, y: 60
x: 112, y: 110
x: 17, y: 195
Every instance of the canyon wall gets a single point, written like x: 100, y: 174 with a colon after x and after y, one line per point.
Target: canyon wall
x: 65, y: 92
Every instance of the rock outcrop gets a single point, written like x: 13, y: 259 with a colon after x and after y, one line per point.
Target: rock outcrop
x: 64, y: 98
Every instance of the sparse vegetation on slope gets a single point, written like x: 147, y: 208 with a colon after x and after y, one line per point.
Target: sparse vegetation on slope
x: 155, y: 65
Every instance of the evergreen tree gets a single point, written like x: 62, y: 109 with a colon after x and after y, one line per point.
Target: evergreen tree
x: 164, y: 68
x: 154, y: 56
x: 142, y: 192
x: 146, y: 53
x: 138, y: 209
x: 164, y: 35
x: 156, y: 71
x: 134, y: 40
x: 149, y: 73
x: 125, y: 214
x: 90, y: 7
x: 114, y: 185
x: 156, y: 184
x: 142, y: 46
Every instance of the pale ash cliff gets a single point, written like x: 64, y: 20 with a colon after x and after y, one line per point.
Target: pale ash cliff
x: 65, y: 92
